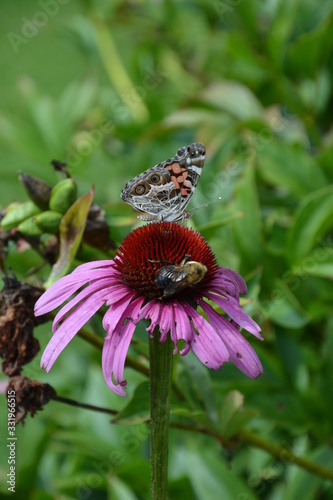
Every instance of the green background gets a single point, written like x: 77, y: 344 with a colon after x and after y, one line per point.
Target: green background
x: 114, y: 88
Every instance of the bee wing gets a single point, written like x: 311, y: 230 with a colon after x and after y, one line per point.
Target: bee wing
x: 178, y: 283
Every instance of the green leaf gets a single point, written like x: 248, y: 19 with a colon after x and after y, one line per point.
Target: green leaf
x: 245, y: 65
x: 248, y: 229
x: 70, y: 231
x: 313, y: 218
x: 211, y: 228
x: 281, y: 28
x: 198, y: 386
x: 316, y: 44
x: 76, y: 100
x: 290, y: 168
x: 233, y: 416
x: 210, y: 478
x: 119, y: 490
x: 233, y: 98
x: 194, y: 117
x: 318, y: 263
x: 117, y: 72
x: 304, y: 485
x: 137, y: 409
x: 283, y: 308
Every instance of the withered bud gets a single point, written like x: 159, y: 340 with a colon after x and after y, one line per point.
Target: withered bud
x: 30, y: 396
x: 17, y: 343
x: 97, y: 232
x: 38, y: 191
x: 60, y: 166
x: 96, y: 212
x: 51, y: 249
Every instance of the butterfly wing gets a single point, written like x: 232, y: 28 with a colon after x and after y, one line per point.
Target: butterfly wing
x: 162, y: 193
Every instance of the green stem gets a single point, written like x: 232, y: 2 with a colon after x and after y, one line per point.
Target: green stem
x: 160, y: 382
x: 72, y: 402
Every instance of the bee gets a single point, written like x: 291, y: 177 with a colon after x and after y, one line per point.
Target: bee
x: 175, y: 277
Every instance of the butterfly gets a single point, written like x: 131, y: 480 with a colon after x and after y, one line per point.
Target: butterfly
x: 162, y: 193
x: 175, y: 277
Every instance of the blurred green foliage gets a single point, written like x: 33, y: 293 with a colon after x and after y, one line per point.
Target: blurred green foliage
x: 113, y: 88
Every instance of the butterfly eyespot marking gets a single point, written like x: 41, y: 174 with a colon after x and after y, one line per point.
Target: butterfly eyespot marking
x: 140, y: 189
x: 155, y: 178
x: 163, y: 192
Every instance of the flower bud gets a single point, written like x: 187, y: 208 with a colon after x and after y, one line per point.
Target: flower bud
x: 29, y: 227
x: 63, y: 195
x: 17, y: 213
x: 37, y: 189
x: 49, y: 221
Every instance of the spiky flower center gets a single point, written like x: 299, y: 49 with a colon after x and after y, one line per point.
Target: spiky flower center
x: 151, y: 247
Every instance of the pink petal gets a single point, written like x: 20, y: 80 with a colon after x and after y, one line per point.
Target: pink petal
x: 83, y: 295
x: 184, y: 328
x: 117, y: 292
x: 60, y: 291
x: 241, y: 352
x: 69, y: 329
x: 152, y: 311
x: 235, y: 278
x: 232, y: 307
x: 95, y: 264
x: 166, y: 320
x: 116, y: 314
x: 173, y: 332
x: 115, y: 351
x: 207, y: 346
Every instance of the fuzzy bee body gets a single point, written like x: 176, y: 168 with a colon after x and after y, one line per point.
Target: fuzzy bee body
x: 176, y: 277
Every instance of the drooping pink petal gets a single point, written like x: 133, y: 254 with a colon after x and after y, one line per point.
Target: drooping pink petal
x: 152, y: 311
x: 207, y: 345
x: 221, y: 284
x: 118, y: 310
x: 173, y: 333
x: 184, y: 328
x: 241, y: 352
x: 153, y: 314
x: 235, y: 278
x: 95, y: 264
x: 115, y: 351
x: 166, y: 320
x: 117, y: 292
x: 69, y: 328
x: 232, y: 307
x: 90, y: 289
x: 60, y: 291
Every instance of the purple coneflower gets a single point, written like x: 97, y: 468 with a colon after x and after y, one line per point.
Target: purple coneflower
x: 127, y: 285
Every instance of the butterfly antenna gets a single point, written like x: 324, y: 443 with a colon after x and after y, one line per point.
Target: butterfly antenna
x: 206, y: 204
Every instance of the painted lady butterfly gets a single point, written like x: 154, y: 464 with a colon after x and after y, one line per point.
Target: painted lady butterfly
x: 162, y: 193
